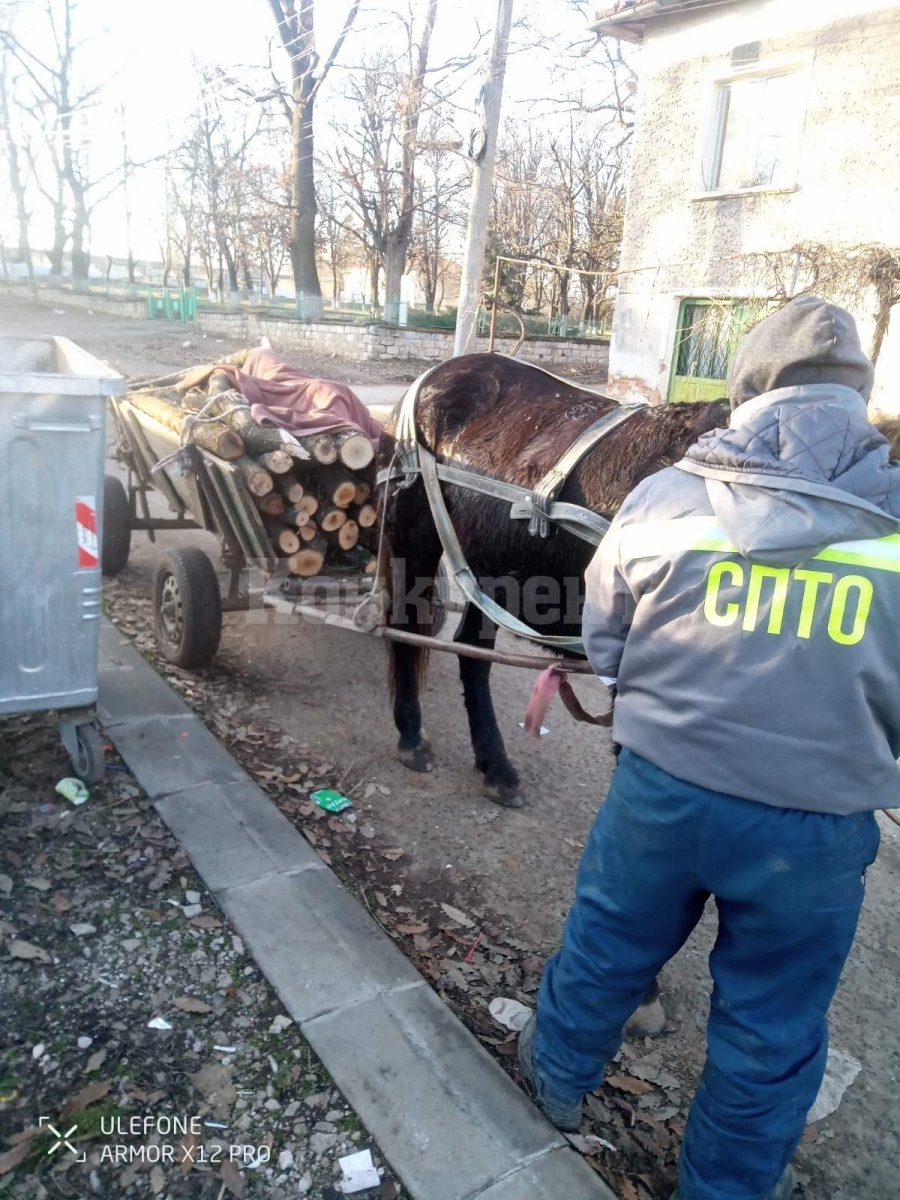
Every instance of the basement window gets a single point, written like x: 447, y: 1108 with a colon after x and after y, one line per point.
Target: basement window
x: 756, y: 133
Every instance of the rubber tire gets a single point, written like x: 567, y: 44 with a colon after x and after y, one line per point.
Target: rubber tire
x: 440, y: 596
x: 116, y: 544
x: 90, y: 763
x: 194, y: 576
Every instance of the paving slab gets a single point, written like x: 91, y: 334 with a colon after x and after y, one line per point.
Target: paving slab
x: 451, y: 1122
x: 448, y: 1117
x: 171, y: 754
x: 315, y: 943
x: 235, y: 834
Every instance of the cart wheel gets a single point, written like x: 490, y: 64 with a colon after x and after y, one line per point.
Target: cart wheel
x: 187, y: 608
x: 439, y: 599
x: 116, y: 527
x: 87, y: 754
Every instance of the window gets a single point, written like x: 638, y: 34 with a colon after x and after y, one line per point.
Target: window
x: 757, y: 133
x: 707, y: 335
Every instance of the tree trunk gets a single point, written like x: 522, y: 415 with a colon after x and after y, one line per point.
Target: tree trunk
x: 303, y: 205
x: 394, y: 265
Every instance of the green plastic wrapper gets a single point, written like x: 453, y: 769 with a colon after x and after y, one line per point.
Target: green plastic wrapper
x: 331, y: 801
x: 73, y: 790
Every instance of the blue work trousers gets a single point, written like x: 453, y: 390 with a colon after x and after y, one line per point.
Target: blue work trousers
x: 788, y: 886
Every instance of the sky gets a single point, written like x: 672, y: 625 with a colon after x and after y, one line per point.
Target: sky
x: 148, y: 52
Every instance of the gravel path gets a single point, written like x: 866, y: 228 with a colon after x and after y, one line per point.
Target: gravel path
x: 105, y: 932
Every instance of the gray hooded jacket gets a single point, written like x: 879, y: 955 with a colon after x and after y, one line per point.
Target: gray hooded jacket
x: 748, y: 599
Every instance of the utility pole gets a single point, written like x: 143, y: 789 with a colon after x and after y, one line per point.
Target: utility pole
x: 482, y: 180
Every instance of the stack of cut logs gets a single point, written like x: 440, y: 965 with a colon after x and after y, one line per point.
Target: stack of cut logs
x: 312, y: 492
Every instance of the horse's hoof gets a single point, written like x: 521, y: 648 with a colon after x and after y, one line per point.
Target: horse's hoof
x: 507, y: 795
x: 416, y: 758
x: 647, y: 1021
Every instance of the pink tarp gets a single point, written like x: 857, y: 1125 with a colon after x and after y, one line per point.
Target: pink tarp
x: 283, y: 396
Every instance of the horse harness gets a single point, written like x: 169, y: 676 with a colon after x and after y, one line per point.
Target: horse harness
x: 539, y: 506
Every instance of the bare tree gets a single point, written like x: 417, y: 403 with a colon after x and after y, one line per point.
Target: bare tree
x: 439, y: 210
x: 336, y: 234
x: 295, y: 22
x: 16, y: 171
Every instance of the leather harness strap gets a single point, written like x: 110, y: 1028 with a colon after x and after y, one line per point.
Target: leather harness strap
x: 553, y: 482
x: 539, y: 505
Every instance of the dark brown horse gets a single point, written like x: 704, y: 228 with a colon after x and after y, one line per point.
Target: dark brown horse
x: 505, y: 419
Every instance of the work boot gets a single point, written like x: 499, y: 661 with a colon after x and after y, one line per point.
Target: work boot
x: 562, y: 1111
x: 783, y: 1189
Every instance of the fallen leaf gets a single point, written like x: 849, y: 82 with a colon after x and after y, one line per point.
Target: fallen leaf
x: 206, y: 922
x: 28, y: 951
x: 233, y: 1180
x: 87, y: 1096
x: 393, y: 855
x: 455, y: 915
x: 412, y: 927
x: 382, y: 899
x: 625, y: 1083
x: 192, y: 1005
x: 12, y: 1158
x: 810, y: 1134
x: 95, y: 1062
x: 39, y: 885
x: 325, y: 856
x: 6, y: 885
x: 16, y: 859
x: 628, y: 1191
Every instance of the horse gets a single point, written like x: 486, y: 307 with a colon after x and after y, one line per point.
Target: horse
x: 498, y: 417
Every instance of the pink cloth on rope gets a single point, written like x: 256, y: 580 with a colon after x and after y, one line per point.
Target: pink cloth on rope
x: 281, y: 395
x: 553, y: 681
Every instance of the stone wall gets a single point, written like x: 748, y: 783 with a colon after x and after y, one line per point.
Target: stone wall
x: 359, y: 342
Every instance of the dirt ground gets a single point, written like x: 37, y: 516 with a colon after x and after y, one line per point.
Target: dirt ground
x: 278, y: 684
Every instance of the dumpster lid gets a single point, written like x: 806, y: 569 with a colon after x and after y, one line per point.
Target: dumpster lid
x: 54, y: 365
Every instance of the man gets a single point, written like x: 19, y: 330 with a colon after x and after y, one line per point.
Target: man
x: 746, y: 602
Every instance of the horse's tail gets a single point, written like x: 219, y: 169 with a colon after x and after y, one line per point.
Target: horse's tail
x: 408, y: 588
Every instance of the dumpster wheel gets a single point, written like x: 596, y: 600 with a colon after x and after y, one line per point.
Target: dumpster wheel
x: 187, y: 608
x: 85, y: 748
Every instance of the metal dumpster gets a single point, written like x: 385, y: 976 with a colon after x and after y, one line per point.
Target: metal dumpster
x: 52, y: 450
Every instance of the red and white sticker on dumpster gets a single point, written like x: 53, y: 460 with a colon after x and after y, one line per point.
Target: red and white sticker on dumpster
x: 86, y: 531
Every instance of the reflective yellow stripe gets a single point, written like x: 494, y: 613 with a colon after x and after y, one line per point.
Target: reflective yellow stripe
x: 653, y: 539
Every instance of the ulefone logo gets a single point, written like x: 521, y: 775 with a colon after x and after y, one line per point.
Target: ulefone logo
x: 63, y: 1140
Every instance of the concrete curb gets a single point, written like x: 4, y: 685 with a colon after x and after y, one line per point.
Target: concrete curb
x: 450, y: 1121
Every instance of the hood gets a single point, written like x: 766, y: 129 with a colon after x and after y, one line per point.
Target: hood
x: 798, y: 469
x: 808, y: 341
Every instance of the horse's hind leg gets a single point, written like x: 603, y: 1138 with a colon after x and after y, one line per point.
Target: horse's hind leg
x: 501, y: 782
x: 414, y: 563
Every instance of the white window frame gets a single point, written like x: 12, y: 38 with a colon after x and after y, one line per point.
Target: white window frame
x: 714, y: 127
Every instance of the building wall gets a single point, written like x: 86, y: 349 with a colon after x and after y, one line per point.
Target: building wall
x: 680, y: 242
x: 357, y: 342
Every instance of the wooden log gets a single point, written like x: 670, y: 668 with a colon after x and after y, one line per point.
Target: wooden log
x: 292, y: 489
x: 348, y: 535
x: 279, y: 462
x: 360, y: 560
x: 354, y: 449
x: 321, y: 446
x: 272, y: 505
x: 213, y: 436
x: 283, y: 539
x: 237, y: 360
x: 256, y: 478
x: 308, y: 532
x: 308, y: 503
x: 296, y: 517
x: 363, y: 492
x: 310, y: 559
x: 367, y: 515
x: 335, y: 486
x: 219, y: 381
x: 330, y: 519
x: 368, y: 537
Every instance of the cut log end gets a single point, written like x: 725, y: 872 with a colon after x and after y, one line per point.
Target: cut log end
x: 309, y: 531
x: 283, y: 539
x: 348, y: 535
x: 279, y: 462
x: 363, y: 492
x: 291, y: 489
x: 308, y: 504
x: 272, y: 505
x: 354, y: 449
x: 367, y: 515
x: 332, y: 519
x: 306, y: 562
